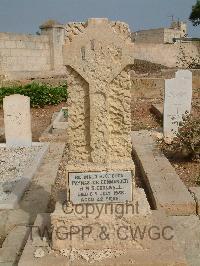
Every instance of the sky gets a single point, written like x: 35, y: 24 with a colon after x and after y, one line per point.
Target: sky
x: 25, y: 16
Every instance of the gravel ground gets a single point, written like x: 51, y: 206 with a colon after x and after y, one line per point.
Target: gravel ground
x: 13, y: 162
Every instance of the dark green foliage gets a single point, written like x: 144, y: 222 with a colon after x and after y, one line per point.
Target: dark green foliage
x: 195, y: 14
x: 65, y: 112
x: 40, y: 94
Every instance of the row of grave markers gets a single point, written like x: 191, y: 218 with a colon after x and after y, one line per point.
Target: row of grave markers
x: 177, y: 103
x: 17, y: 120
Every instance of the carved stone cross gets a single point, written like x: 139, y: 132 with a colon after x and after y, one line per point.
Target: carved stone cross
x: 97, y: 57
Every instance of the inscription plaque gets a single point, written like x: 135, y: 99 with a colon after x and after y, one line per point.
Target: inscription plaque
x: 100, y: 187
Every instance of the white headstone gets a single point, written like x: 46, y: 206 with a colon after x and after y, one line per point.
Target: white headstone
x: 178, y: 101
x: 17, y: 121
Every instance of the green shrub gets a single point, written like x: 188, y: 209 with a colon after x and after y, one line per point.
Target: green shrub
x: 187, y: 141
x: 188, y: 136
x: 65, y: 113
x: 40, y: 94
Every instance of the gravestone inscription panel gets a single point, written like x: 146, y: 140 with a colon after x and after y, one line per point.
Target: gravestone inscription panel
x: 100, y: 187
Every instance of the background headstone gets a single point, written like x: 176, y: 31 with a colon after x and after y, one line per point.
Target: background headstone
x: 178, y: 101
x: 17, y: 121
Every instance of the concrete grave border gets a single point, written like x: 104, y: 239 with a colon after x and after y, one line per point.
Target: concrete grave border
x: 164, y: 187
x: 17, y: 229
x: 28, y: 174
x: 51, y: 134
x: 157, y: 109
x: 167, y: 253
x: 57, y: 123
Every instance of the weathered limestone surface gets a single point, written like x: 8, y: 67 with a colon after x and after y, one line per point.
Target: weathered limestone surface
x: 79, y: 117
x: 63, y: 221
x: 17, y: 120
x: 97, y: 59
x: 98, y: 55
x: 178, y: 100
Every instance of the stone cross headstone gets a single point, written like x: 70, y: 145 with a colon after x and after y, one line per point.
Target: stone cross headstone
x: 98, y: 56
x: 17, y: 121
x: 177, y: 102
x: 100, y: 171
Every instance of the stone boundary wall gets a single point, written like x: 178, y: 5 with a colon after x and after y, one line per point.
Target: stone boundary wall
x: 24, y: 53
x: 196, y: 78
x: 25, y: 56
x: 152, y: 88
x: 149, y: 36
x: 147, y: 88
x: 171, y: 55
x: 170, y: 34
x: 156, y: 36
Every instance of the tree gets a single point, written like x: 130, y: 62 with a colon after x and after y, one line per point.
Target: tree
x: 195, y: 14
